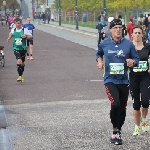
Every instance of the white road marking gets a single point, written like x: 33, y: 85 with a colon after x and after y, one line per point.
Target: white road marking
x: 44, y: 50
x: 96, y: 80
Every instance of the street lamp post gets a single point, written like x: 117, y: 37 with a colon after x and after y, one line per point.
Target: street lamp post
x: 33, y: 10
x: 105, y: 9
x: 59, y: 5
x: 4, y: 4
x: 76, y: 13
x: 20, y: 7
x: 37, y: 5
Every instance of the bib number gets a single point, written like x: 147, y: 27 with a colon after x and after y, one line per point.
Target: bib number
x: 141, y: 67
x: 18, y: 41
x: 116, y: 68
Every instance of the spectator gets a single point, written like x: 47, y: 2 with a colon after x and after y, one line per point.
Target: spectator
x: 124, y: 30
x: 141, y: 20
x: 129, y: 28
x: 101, y: 24
x: 148, y: 33
x: 101, y: 15
x: 52, y: 17
x: 48, y: 17
x: 106, y: 30
x: 144, y: 34
x: 84, y: 17
x: 131, y: 17
x: 147, y: 21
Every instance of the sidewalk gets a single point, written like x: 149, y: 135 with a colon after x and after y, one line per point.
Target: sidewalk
x: 69, y: 26
x: 82, y: 30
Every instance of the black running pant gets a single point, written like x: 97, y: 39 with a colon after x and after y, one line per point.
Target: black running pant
x: 118, y: 96
x: 140, y: 91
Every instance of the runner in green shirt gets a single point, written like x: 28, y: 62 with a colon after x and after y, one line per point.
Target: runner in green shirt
x: 20, y: 35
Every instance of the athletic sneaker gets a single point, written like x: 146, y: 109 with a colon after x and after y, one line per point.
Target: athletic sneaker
x: 145, y: 127
x: 28, y: 58
x: 22, y: 79
x: 137, y: 130
x: 31, y: 58
x: 19, y: 79
x: 116, y: 138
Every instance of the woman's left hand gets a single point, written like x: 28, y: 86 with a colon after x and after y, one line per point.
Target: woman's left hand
x: 148, y: 70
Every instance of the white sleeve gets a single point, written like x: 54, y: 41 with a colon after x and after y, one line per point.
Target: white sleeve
x: 11, y: 26
x: 27, y: 32
x: 12, y: 31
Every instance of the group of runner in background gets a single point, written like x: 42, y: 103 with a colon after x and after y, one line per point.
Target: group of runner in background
x: 9, y: 19
x: 22, y: 34
x: 143, y: 21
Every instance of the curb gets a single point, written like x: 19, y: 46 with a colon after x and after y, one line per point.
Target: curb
x: 5, y: 140
x: 73, y: 30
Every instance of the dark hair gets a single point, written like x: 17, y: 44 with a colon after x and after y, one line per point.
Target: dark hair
x: 137, y: 27
x: 131, y: 20
x: 18, y: 20
x: 119, y: 17
x: 141, y: 15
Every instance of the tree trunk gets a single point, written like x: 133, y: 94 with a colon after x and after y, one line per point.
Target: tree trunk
x: 125, y: 21
x: 65, y: 15
x: 73, y: 17
x: 94, y: 17
x: 87, y: 16
x: 116, y: 14
x: 137, y: 13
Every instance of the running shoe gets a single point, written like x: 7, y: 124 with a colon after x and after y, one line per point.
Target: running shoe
x: 145, y: 126
x: 31, y: 58
x: 22, y: 79
x: 28, y: 58
x: 137, y: 130
x: 116, y: 138
x: 19, y: 79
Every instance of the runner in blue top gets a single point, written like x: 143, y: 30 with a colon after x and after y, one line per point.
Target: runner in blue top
x: 119, y: 54
x: 30, y: 27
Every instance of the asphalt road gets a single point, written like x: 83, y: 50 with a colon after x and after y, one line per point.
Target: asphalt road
x: 62, y: 104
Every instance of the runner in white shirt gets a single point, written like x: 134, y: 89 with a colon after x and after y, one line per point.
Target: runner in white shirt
x: 2, y: 20
x: 12, y: 26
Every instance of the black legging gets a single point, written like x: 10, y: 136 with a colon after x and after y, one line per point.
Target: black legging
x: 140, y: 85
x: 118, y: 96
x: 100, y: 37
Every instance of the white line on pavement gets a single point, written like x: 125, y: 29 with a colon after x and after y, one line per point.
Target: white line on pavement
x: 44, y: 50
x: 94, y: 80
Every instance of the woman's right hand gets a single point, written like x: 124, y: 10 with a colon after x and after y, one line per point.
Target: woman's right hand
x: 100, y: 66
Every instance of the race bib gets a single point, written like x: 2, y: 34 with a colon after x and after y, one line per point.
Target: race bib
x: 116, y: 68
x: 141, y: 67
x: 18, y: 41
x: 30, y: 31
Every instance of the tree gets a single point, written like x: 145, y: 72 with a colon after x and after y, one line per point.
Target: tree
x: 10, y: 4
